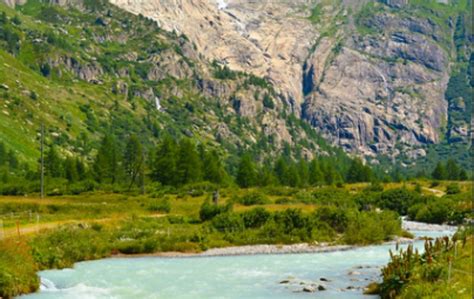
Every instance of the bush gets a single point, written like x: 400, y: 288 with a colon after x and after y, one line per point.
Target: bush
x: 372, y: 227
x: 336, y: 218
x: 160, y: 205
x: 208, y: 211
x: 17, y: 269
x: 453, y: 188
x: 228, y: 223
x: 65, y: 246
x: 255, y: 218
x: 398, y: 200
x: 253, y: 198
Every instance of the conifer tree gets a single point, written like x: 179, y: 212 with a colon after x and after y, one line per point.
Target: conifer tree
x: 3, y: 154
x: 213, y: 168
x: 246, y: 174
x: 439, y: 173
x: 163, y: 168
x: 133, y: 159
x: 303, y: 172
x: 106, y: 165
x: 188, y: 163
x: 70, y: 170
x: 281, y: 171
x: 315, y: 174
x: 53, y: 163
x: 452, y: 170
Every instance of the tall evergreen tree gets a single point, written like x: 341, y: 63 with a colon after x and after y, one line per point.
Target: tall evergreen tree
x: 70, y: 170
x: 293, y: 175
x: 53, y: 163
x: 358, y: 172
x: 3, y: 154
x: 281, y: 171
x: 188, y: 163
x: 133, y: 159
x: 452, y: 170
x: 163, y: 168
x: 213, y: 169
x: 439, y: 173
x: 247, y: 173
x: 106, y: 165
x: 303, y: 172
x: 315, y: 175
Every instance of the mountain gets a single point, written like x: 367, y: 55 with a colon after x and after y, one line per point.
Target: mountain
x: 88, y: 68
x: 370, y: 76
x: 390, y: 80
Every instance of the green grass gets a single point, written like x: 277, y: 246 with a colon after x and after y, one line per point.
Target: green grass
x: 96, y: 225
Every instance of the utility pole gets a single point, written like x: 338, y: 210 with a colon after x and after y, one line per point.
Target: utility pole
x: 42, y: 161
x: 142, y: 174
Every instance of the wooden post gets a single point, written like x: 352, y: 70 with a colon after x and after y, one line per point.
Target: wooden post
x: 42, y: 162
x: 142, y: 174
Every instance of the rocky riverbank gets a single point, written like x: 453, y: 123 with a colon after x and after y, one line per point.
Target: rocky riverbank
x: 421, y: 226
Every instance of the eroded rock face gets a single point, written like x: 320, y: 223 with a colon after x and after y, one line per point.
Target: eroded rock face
x: 366, y: 93
x: 267, y: 38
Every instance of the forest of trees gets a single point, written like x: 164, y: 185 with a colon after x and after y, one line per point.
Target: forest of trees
x: 127, y: 165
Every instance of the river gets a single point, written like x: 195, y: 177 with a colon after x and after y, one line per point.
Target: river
x: 253, y: 276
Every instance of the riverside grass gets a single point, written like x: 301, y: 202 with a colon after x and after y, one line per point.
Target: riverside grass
x: 97, y: 225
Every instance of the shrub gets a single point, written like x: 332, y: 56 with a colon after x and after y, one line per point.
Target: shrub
x: 453, y: 188
x: 255, y: 218
x: 253, y: 198
x: 398, y: 200
x: 17, y: 269
x: 336, y: 218
x: 208, y: 211
x: 228, y: 223
x: 160, y: 205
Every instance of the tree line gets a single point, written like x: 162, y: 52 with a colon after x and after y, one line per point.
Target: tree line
x: 130, y: 165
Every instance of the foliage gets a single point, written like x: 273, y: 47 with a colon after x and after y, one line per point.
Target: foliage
x: 17, y: 269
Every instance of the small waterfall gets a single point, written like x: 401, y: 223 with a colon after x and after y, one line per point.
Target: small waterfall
x: 221, y: 4
x: 47, y: 285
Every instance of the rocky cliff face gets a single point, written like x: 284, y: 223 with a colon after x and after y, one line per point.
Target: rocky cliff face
x: 270, y: 39
x: 374, y: 92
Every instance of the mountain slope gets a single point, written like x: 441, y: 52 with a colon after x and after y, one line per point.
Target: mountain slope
x: 86, y: 68
x: 370, y: 76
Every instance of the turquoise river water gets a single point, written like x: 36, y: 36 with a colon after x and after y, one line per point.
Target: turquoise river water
x: 256, y: 276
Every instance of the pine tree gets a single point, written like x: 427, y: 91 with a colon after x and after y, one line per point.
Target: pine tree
x: 329, y: 172
x: 246, y: 174
x: 12, y: 160
x: 133, y: 159
x: 293, y: 175
x: 188, y: 163
x: 70, y: 170
x: 452, y: 170
x: 439, y: 173
x: 358, y: 172
x: 315, y: 174
x: 163, y: 168
x: 81, y: 169
x: 463, y: 175
x: 213, y: 169
x: 53, y: 163
x: 303, y: 172
x: 106, y: 165
x: 281, y: 171
x: 3, y: 154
